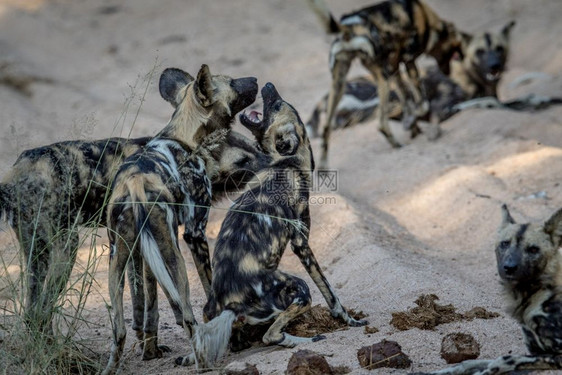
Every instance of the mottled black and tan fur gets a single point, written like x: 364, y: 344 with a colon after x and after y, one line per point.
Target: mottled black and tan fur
x: 382, y: 36
x: 273, y: 212
x: 475, y: 73
x: 166, y: 185
x: 46, y: 196
x: 51, y: 191
x: 530, y: 268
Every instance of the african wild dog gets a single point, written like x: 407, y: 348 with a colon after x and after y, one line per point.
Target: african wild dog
x: 474, y: 74
x: 382, y: 36
x: 247, y: 286
x: 48, y: 194
x: 166, y: 185
x: 529, y: 264
x: 483, y: 62
x: 51, y: 191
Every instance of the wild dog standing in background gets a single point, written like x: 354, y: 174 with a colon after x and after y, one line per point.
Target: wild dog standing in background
x: 382, y: 36
x: 162, y: 187
x: 247, y: 286
x: 476, y: 73
x: 530, y: 267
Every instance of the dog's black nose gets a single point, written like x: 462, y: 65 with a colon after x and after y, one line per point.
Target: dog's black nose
x: 495, y: 67
x: 509, y: 269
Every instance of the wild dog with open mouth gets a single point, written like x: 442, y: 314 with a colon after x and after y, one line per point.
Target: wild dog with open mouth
x: 483, y: 62
x: 529, y: 264
x: 162, y: 187
x: 476, y: 73
x: 382, y: 36
x: 51, y: 191
x: 247, y: 286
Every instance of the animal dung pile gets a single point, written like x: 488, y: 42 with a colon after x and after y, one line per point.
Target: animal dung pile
x: 457, y: 347
x: 306, y: 362
x: 383, y: 354
x: 318, y: 320
x: 428, y: 314
x: 240, y: 368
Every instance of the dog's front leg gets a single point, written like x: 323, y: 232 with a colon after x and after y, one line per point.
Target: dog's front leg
x: 199, y: 248
x: 194, y: 236
x: 313, y: 268
x: 384, y: 96
x: 299, y: 244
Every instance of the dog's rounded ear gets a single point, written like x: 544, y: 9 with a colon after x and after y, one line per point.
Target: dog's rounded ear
x: 506, y: 30
x: 172, y: 80
x: 204, y: 86
x: 506, y: 216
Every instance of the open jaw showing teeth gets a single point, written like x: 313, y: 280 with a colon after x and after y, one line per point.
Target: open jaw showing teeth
x: 493, y: 76
x: 254, y: 116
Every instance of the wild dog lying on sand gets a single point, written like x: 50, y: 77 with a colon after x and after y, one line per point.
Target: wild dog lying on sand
x: 529, y: 265
x: 51, y: 191
x: 476, y: 73
x: 162, y: 187
x: 382, y: 36
x: 247, y: 286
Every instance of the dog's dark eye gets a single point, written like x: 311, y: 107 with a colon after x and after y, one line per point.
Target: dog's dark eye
x: 533, y: 250
x: 244, y: 161
x: 277, y: 106
x: 504, y: 244
x: 480, y: 51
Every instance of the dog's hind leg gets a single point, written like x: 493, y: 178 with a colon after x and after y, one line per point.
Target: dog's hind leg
x: 36, y: 253
x: 290, y: 294
x: 341, y: 63
x: 135, y: 276
x: 151, y: 349
x: 62, y: 258
x: 118, y: 258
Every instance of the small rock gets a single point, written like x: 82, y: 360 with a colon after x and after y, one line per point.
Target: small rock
x: 239, y: 368
x: 369, y: 330
x: 383, y: 354
x: 458, y: 347
x: 306, y: 362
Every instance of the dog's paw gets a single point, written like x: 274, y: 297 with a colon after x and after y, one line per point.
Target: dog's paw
x: 357, y: 323
x: 187, y: 360
x: 318, y: 338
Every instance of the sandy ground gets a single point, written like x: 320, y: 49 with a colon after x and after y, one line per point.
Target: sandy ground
x: 420, y: 219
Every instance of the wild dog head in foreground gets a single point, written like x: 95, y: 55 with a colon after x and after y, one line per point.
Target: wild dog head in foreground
x: 166, y: 185
x: 529, y: 261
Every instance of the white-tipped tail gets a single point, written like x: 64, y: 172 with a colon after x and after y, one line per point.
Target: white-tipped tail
x: 210, y: 340
x: 148, y: 245
x: 323, y: 14
x: 152, y: 256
